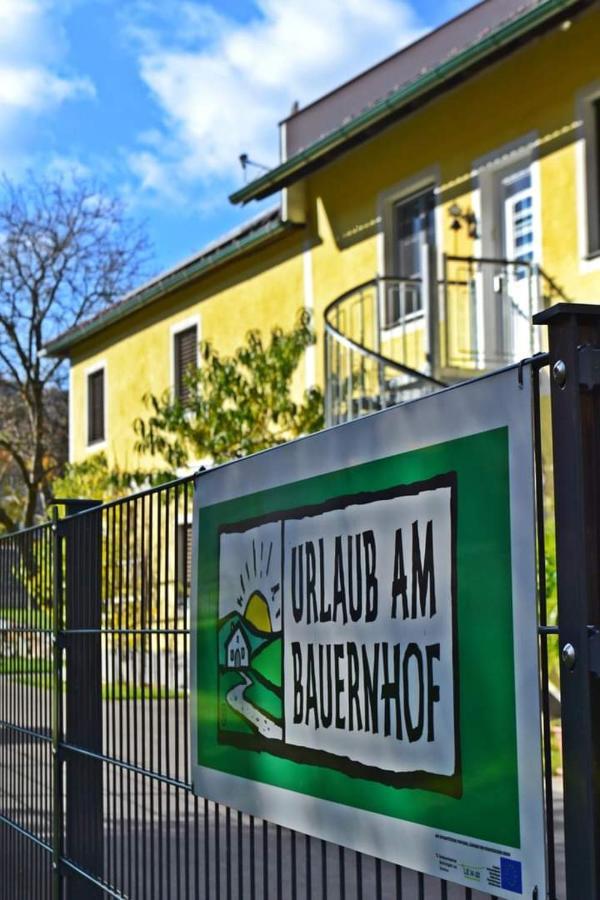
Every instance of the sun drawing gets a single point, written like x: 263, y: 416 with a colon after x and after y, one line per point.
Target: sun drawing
x: 259, y: 598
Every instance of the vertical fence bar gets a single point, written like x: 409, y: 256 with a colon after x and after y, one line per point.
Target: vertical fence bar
x: 574, y: 330
x: 543, y: 619
x: 57, y: 799
x: 83, y: 726
x: 380, y: 300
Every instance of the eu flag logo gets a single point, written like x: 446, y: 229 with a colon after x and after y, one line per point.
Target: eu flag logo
x: 511, y: 878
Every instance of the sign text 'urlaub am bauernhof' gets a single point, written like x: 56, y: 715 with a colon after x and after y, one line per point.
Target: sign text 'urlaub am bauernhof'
x: 348, y: 687
x: 365, y: 637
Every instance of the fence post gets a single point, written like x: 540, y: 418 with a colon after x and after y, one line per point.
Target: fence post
x: 57, y: 709
x: 84, y: 844
x: 574, y: 343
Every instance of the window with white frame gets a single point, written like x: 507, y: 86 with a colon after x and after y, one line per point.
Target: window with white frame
x: 185, y: 359
x: 96, y: 425
x: 412, y: 240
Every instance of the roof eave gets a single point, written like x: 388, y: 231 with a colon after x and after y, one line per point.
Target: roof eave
x: 363, y: 126
x: 61, y: 346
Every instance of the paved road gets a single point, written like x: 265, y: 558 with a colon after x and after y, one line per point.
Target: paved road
x: 161, y: 843
x: 236, y: 699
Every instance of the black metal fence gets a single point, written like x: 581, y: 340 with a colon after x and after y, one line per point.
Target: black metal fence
x: 95, y: 796
x: 26, y: 713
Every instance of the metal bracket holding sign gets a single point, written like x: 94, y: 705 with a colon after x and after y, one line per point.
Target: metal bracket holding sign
x: 364, y: 631
x: 589, y: 367
x: 594, y: 652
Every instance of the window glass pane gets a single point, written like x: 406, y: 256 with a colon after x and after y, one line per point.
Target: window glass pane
x: 186, y: 358
x: 413, y: 230
x: 414, y: 227
x: 515, y: 184
x: 96, y: 407
x: 518, y: 221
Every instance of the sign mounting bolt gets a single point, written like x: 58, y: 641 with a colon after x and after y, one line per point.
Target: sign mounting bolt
x: 568, y: 656
x: 559, y: 373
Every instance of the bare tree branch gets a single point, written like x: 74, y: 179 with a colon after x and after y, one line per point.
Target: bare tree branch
x: 67, y: 250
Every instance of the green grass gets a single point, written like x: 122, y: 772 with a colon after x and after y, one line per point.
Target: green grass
x: 35, y: 618
x: 18, y: 665
x: 267, y: 662
x: 229, y: 719
x: 122, y: 691
x: 556, y: 747
x: 265, y: 699
x: 42, y: 680
x: 117, y: 691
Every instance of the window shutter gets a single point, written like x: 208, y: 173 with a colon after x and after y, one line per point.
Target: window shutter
x: 186, y: 358
x: 96, y: 407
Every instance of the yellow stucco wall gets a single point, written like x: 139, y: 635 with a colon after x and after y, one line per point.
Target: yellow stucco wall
x: 137, y: 352
x: 528, y: 100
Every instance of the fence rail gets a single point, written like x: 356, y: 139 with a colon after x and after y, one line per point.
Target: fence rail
x: 95, y: 794
x: 26, y: 732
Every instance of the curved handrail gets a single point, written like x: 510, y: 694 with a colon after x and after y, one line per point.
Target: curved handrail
x: 368, y: 352
x: 553, y: 285
x: 533, y: 269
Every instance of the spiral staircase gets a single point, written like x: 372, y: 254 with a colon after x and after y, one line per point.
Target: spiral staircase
x: 392, y: 339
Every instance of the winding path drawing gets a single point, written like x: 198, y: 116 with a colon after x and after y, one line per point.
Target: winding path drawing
x: 250, y: 636
x: 265, y: 726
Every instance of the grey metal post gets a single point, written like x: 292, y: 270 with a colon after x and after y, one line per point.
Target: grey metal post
x: 380, y: 298
x: 327, y: 371
x: 429, y: 307
x: 83, y: 726
x: 574, y: 343
x: 444, y: 360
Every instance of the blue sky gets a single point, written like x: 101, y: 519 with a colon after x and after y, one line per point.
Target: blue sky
x: 157, y: 98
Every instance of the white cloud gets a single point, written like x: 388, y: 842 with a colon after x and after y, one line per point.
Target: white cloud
x: 32, y: 78
x: 35, y: 88
x: 222, y: 86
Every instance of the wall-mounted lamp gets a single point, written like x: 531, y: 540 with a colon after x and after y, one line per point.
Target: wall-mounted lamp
x: 458, y: 216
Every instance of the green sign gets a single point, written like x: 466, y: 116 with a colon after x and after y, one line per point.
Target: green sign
x: 365, y: 637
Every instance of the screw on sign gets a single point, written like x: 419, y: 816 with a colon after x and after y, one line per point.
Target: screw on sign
x: 568, y: 656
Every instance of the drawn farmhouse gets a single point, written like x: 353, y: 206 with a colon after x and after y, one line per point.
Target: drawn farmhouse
x: 237, y: 649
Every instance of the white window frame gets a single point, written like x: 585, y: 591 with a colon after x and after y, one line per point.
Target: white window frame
x: 487, y: 174
x: 488, y: 171
x: 587, y: 152
x: 427, y: 179
x: 99, y: 366
x: 175, y: 329
x: 71, y: 429
x: 310, y: 354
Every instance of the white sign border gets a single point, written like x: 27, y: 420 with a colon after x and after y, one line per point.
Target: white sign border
x: 503, y: 399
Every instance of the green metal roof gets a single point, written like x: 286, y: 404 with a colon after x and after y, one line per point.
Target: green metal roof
x: 258, y: 232
x: 381, y: 113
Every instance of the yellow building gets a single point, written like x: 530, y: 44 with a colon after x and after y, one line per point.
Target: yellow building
x: 427, y: 209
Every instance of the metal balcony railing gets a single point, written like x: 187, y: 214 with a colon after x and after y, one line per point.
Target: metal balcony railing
x: 393, y: 339
x: 375, y: 355
x: 485, y: 311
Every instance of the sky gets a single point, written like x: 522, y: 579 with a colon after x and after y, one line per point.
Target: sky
x: 157, y: 99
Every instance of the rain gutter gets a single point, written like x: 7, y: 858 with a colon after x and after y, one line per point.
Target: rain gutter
x: 376, y: 117
x: 167, y: 283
